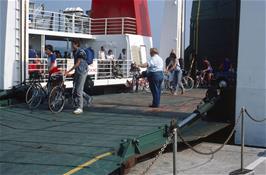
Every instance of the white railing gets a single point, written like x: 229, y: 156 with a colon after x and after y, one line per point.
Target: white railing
x: 109, y: 26
x: 60, y: 22
x: 40, y: 65
x: 112, y: 69
x: 105, y: 69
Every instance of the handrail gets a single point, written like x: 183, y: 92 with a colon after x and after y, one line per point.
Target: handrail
x: 114, y: 18
x: 61, y: 22
x: 105, y: 68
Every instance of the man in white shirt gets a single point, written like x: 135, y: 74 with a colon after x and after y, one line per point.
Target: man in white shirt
x: 155, y: 76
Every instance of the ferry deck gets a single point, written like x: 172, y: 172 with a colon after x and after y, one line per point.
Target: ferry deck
x: 110, y: 135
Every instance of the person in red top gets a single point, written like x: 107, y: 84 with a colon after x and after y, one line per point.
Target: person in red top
x: 34, y: 63
x: 51, y: 60
x: 207, y: 70
x: 51, y: 63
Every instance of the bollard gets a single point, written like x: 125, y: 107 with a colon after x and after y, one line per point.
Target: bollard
x: 174, y: 151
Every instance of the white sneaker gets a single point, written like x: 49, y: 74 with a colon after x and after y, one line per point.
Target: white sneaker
x: 78, y: 111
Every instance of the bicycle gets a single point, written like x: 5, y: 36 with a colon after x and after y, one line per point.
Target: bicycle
x: 144, y: 84
x: 36, y: 93
x: 139, y: 81
x: 187, y: 81
x: 166, y: 85
x: 56, y: 100
x: 201, y: 79
x: 60, y: 93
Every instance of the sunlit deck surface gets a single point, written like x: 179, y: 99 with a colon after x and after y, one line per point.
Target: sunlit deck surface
x: 40, y: 142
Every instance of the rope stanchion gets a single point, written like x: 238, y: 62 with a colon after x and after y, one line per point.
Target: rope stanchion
x: 176, y: 132
x: 174, y: 151
x: 241, y: 170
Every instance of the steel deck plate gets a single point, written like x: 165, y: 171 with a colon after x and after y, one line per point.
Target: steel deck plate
x: 39, y: 142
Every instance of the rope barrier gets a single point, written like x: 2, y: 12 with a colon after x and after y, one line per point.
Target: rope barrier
x: 253, y: 118
x: 170, y: 139
x: 218, y: 149
x: 226, y: 141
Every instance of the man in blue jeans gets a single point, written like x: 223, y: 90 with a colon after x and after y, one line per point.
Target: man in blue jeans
x: 154, y: 67
x: 81, y: 72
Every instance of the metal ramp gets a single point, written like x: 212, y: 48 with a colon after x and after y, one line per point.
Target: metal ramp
x: 97, y: 142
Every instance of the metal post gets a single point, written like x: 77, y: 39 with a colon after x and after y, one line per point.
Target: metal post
x: 89, y: 26
x: 82, y: 26
x: 242, y: 170
x: 42, y: 46
x: 242, y: 138
x: 123, y: 25
x: 73, y: 23
x: 105, y: 26
x: 174, y: 151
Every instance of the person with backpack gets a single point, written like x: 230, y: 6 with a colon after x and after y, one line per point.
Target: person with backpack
x: 81, y: 60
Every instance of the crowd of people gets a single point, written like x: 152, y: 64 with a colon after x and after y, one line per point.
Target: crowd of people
x: 109, y: 55
x: 80, y: 68
x: 155, y: 72
x: 225, y: 68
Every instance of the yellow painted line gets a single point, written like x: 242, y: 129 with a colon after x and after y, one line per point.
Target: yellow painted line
x: 88, y: 163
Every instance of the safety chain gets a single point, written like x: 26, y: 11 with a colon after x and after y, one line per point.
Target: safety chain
x: 252, y: 118
x: 169, y: 138
x: 219, y: 148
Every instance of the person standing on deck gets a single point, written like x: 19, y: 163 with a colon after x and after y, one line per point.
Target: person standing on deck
x: 34, y: 63
x: 110, y: 56
x: 51, y: 60
x: 207, y: 70
x: 101, y: 54
x: 124, y: 64
x: 170, y: 58
x: 81, y: 72
x: 123, y: 55
x: 154, y: 67
x: 168, y: 75
x: 176, y: 75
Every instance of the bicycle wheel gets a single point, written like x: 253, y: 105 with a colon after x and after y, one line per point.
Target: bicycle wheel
x: 34, y: 96
x: 31, y: 91
x: 56, y: 99
x: 188, y: 82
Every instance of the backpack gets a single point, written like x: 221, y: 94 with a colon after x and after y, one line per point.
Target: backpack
x: 89, y: 55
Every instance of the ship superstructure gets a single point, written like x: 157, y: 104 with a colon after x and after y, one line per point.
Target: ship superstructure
x: 29, y: 26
